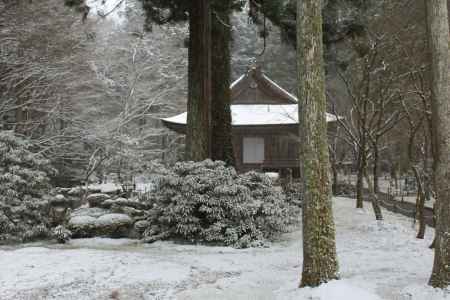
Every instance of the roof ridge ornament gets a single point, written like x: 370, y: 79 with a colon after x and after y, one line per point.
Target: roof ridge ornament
x: 254, y: 65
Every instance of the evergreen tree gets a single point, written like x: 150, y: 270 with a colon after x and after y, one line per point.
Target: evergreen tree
x: 209, y: 131
x: 198, y: 129
x: 222, y: 146
x: 319, y: 249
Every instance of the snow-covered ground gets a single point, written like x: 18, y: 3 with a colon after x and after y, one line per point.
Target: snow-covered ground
x: 377, y: 261
x: 387, y: 186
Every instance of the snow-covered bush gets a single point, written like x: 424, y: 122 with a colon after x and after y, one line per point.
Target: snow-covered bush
x: 209, y: 202
x: 293, y: 192
x: 24, y: 180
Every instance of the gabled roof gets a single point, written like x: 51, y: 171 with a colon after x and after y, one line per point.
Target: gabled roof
x: 256, y: 101
x: 257, y: 114
x: 255, y: 87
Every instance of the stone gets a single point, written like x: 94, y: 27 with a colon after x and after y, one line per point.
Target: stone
x: 58, y: 215
x: 122, y: 202
x: 128, y: 210
x: 76, y: 191
x: 96, y: 200
x: 92, y: 222
x: 60, y: 200
x: 140, y: 226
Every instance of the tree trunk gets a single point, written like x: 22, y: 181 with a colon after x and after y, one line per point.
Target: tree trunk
x: 199, y: 82
x: 335, y: 185
x: 438, y: 38
x: 376, y: 158
x: 221, y: 143
x: 373, y: 197
x: 319, y: 248
x: 360, y: 178
x: 420, y: 204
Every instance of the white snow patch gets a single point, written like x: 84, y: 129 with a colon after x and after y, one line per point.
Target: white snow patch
x: 258, y: 114
x: 105, y: 188
x: 114, y: 10
x: 82, y: 220
x: 425, y: 292
x: 110, y: 219
x: 335, y: 290
x: 273, y: 175
x: 377, y: 261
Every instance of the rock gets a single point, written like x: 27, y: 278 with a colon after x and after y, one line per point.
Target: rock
x: 60, y: 190
x: 76, y: 191
x: 58, y: 215
x: 91, y: 212
x: 96, y: 200
x: 141, y: 226
x: 60, y: 200
x: 111, y: 188
x: 125, y: 202
x: 90, y: 222
x: 94, y: 190
x: 133, y: 212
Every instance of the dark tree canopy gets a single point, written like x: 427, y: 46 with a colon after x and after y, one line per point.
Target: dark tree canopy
x: 167, y: 11
x: 284, y: 14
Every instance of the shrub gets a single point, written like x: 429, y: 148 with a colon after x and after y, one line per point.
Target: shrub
x: 24, y: 180
x: 210, y: 203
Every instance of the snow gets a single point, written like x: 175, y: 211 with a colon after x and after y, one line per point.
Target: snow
x: 258, y: 114
x: 105, y: 188
x: 114, y: 9
x: 237, y: 81
x: 377, y: 261
x: 335, y: 290
x: 273, y: 175
x: 82, y: 220
x: 110, y: 219
x: 292, y: 97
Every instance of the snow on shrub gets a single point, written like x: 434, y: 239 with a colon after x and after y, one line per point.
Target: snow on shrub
x: 209, y: 202
x: 24, y: 180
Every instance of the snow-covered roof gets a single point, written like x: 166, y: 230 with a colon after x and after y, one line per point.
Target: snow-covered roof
x: 283, y: 91
x: 257, y: 114
x: 255, y: 87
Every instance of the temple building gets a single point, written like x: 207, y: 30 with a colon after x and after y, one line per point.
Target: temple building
x: 264, y: 122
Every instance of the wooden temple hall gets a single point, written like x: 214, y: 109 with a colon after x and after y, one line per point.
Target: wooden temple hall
x: 264, y: 124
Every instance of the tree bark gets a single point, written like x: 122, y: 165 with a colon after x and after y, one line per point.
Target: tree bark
x: 319, y: 248
x: 373, y: 197
x: 376, y: 158
x: 335, y: 184
x: 420, y: 203
x: 222, y: 143
x: 199, y: 82
x: 438, y: 39
x: 361, y: 163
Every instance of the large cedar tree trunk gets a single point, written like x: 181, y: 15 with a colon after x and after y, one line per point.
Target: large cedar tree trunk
x: 438, y: 38
x: 199, y: 82
x: 319, y: 248
x: 221, y: 144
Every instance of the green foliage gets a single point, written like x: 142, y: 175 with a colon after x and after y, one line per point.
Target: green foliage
x: 169, y: 11
x: 73, y: 2
x: 23, y: 174
x: 210, y: 203
x: 24, y: 180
